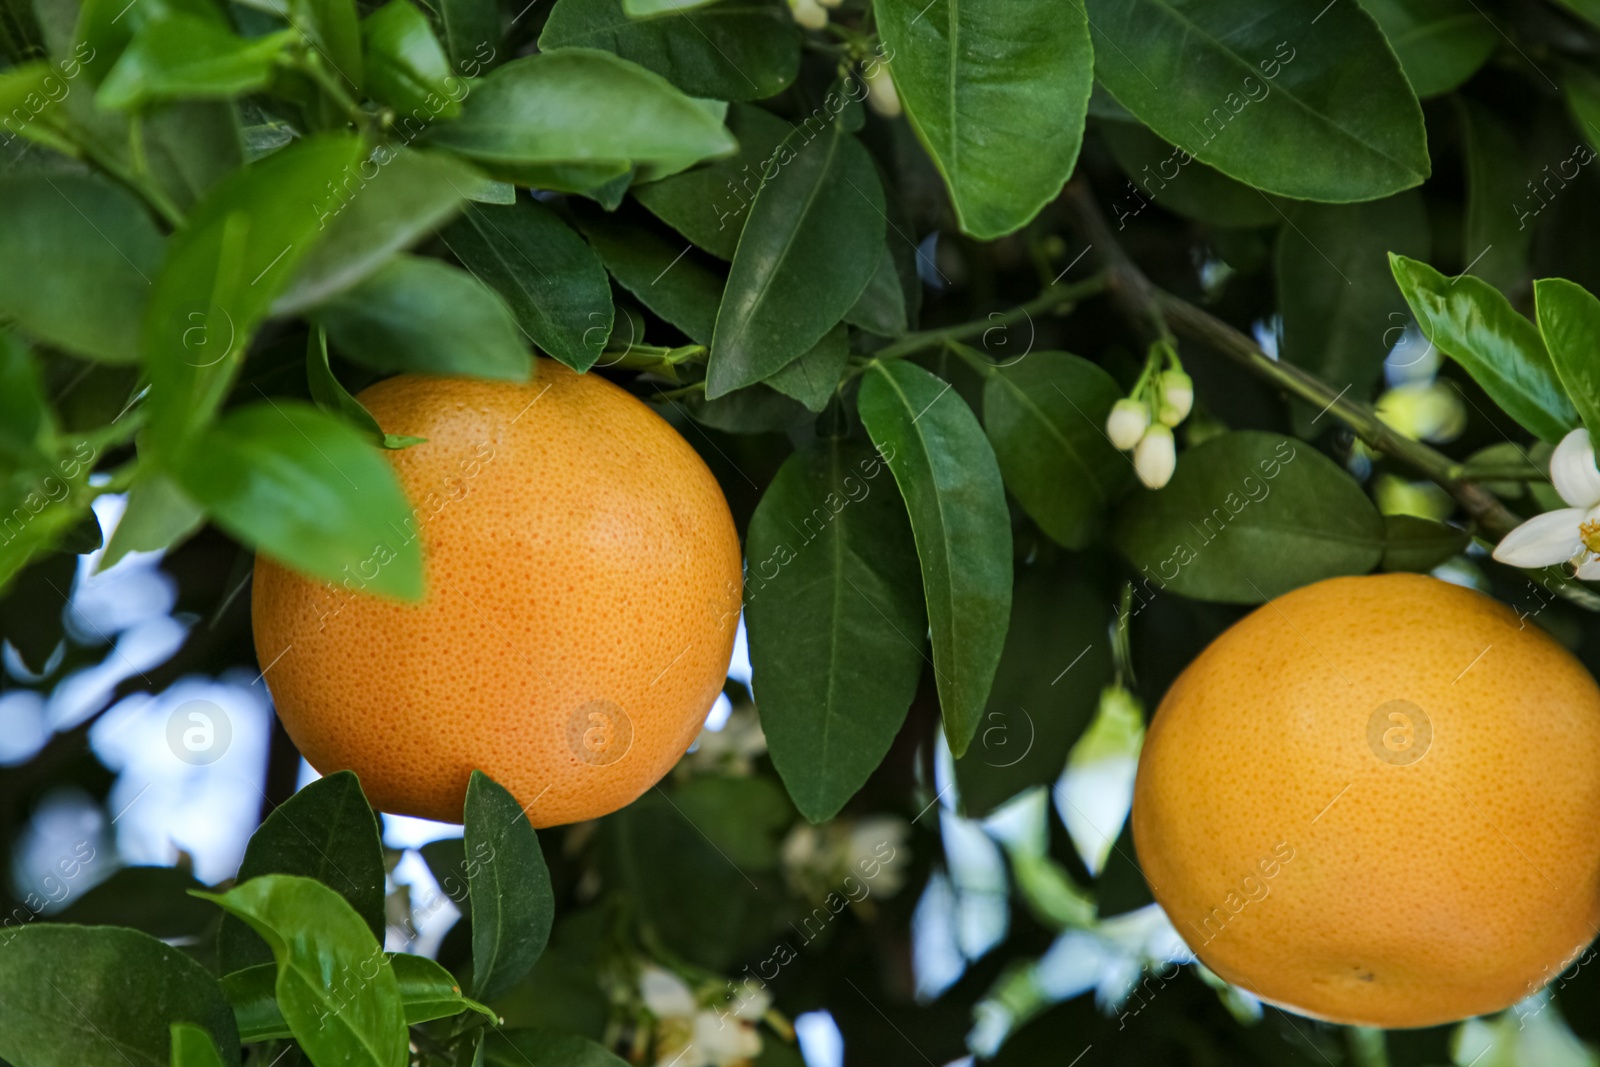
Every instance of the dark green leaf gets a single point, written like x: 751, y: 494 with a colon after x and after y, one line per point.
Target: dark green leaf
x: 744, y: 817
x: 326, y: 831
x: 950, y: 481
x: 1045, y: 416
x: 997, y: 93
x: 334, y: 29
x: 471, y: 35
x: 1440, y: 43
x: 553, y: 281
x: 1414, y: 544
x: 335, y: 985
x: 812, y: 243
x: 105, y: 250
x: 709, y: 204
x: 406, y: 64
x: 1340, y: 314
x: 813, y: 377
x: 645, y: 8
x: 27, y: 425
x: 1569, y: 320
x: 575, y: 118
x: 735, y: 50
x: 425, y: 316
x: 833, y: 601
x: 385, y: 203
x: 881, y: 307
x: 193, y: 1047
x: 183, y: 56
x: 335, y: 399
x: 1172, y: 179
x: 1472, y: 322
x: 656, y: 270
x: 1497, y: 229
x: 102, y: 996
x: 512, y: 902
x: 758, y: 409
x: 32, y: 609
x: 1318, y: 113
x: 1249, y: 516
x: 519, y: 1048
x: 154, y: 900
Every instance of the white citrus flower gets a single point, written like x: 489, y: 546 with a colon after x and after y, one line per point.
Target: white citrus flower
x: 882, y: 96
x: 1566, y: 535
x: 1177, y: 397
x: 664, y: 993
x: 1095, y: 791
x: 1126, y: 424
x: 1155, y: 457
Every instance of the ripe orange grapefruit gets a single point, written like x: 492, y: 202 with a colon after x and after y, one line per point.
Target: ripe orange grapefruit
x: 1376, y: 801
x: 583, y: 594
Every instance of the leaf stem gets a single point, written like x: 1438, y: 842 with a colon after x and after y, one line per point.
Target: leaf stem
x: 1054, y: 298
x: 148, y: 190
x: 331, y: 85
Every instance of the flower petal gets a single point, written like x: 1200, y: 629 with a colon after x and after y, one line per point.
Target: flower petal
x: 1573, y: 470
x: 1543, y: 540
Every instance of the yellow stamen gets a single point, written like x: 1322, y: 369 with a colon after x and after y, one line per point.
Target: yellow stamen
x: 1589, y: 534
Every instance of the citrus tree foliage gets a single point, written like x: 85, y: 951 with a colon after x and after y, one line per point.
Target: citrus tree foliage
x: 933, y: 288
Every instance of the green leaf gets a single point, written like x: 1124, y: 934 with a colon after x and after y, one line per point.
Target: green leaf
x: 1171, y: 179
x: 102, y: 996
x: 104, y: 28
x: 950, y: 481
x: 1323, y: 117
x: 519, y: 1048
x: 335, y: 399
x: 736, y: 50
x: 1569, y: 321
x: 1440, y: 43
x: 575, y: 118
x: 811, y: 245
x: 335, y: 985
x: 758, y: 409
x: 881, y: 307
x: 1249, y: 516
x: 326, y: 831
x: 813, y: 377
x: 192, y: 1047
x: 235, y: 252
x: 183, y: 56
x: 303, y: 488
x: 471, y: 34
x: 1472, y: 322
x: 553, y: 282
x: 1583, y: 101
x: 153, y: 900
x: 387, y: 202
x: 1045, y: 416
x: 159, y: 515
x: 406, y: 64
x: 106, y: 252
x: 655, y: 269
x: 513, y: 904
x: 833, y: 602
x: 1415, y: 544
x: 997, y: 92
x: 709, y: 204
x: 425, y: 316
x: 427, y: 992
x: 1496, y: 231
x: 1340, y: 314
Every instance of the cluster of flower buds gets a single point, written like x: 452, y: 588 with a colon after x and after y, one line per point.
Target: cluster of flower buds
x: 1142, y: 422
x: 812, y: 14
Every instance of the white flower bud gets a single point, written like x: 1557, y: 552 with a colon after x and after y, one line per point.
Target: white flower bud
x: 1155, y: 457
x: 882, y: 96
x: 809, y: 14
x: 1127, y: 422
x: 1177, y: 397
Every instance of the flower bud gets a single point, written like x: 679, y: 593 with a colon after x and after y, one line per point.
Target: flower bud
x: 882, y: 96
x: 1155, y: 457
x: 1127, y: 422
x: 1177, y: 397
x: 1095, y: 791
x: 809, y: 14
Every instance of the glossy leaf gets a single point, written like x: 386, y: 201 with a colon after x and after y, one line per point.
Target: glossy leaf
x: 1416, y: 544
x: 184, y: 56
x: 553, y: 282
x: 425, y: 316
x: 331, y: 396
x: 811, y: 245
x: 406, y: 64
x: 326, y: 831
x: 881, y: 307
x: 655, y: 269
x: 950, y: 482
x: 102, y: 996
x: 734, y: 50
x: 709, y: 204
x: 1498, y: 224
x: 1440, y: 43
x: 1161, y: 174
x: 833, y: 602
x: 576, y: 117
x: 472, y: 35
x: 997, y: 92
x: 1045, y: 416
x: 1341, y: 315
x: 1323, y: 117
x: 99, y: 252
x: 813, y: 378
x: 385, y: 203
x: 335, y: 985
x: 192, y: 1047
x: 1249, y: 516
x: 1473, y: 323
x: 513, y: 904
x: 1569, y: 321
